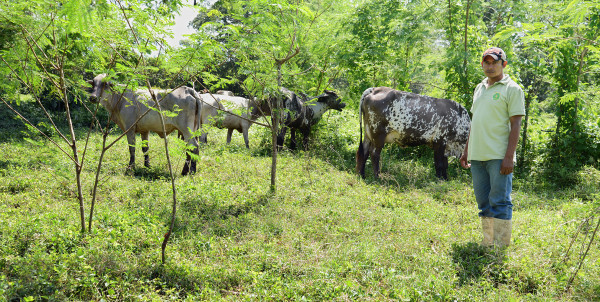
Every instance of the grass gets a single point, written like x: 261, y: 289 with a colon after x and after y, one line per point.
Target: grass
x: 324, y: 235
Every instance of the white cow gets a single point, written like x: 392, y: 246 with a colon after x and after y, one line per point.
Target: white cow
x: 237, y: 106
x: 129, y: 110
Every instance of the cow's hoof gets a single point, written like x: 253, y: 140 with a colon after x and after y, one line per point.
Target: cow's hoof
x: 130, y: 170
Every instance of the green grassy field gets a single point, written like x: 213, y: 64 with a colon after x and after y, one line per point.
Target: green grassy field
x: 324, y: 235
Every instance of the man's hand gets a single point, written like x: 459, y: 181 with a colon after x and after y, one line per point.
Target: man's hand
x: 507, y: 167
x: 464, y: 162
x: 508, y: 164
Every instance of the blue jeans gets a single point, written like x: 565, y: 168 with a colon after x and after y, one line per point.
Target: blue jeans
x: 492, y: 189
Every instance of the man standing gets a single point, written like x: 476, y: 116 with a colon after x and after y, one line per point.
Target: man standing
x: 498, y: 106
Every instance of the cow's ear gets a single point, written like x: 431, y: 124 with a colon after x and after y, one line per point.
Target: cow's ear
x: 323, y: 95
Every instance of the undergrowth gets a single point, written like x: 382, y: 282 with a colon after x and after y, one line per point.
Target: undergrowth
x: 325, y: 234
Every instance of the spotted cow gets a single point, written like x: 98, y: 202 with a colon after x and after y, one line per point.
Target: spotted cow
x: 408, y: 119
x: 303, y: 112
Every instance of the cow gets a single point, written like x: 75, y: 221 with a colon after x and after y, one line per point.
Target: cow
x: 241, y: 113
x: 302, y: 112
x: 129, y: 110
x: 225, y: 92
x: 408, y: 119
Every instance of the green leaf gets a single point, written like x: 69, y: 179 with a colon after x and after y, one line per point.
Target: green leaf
x: 77, y: 14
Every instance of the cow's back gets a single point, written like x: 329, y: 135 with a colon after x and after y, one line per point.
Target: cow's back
x: 410, y: 119
x: 178, y: 101
x: 184, y: 102
x: 237, y: 106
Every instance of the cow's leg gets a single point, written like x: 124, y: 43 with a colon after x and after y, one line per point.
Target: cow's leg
x: 186, y: 166
x: 292, y: 138
x: 281, y: 137
x: 375, y: 156
x: 306, y: 136
x: 196, y: 151
x: 440, y: 161
x: 362, y: 154
x: 145, y: 148
x: 203, y: 135
x: 245, y: 134
x: 131, y: 143
x: 190, y: 163
x: 229, y: 133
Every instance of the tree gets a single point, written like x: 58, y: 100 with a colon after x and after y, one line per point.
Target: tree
x: 383, y: 44
x: 569, y: 47
x: 52, y: 49
x: 269, y: 42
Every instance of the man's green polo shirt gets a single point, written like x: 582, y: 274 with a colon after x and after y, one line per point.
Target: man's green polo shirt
x: 492, y: 108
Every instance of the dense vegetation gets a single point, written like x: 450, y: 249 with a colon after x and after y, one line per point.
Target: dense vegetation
x: 78, y: 226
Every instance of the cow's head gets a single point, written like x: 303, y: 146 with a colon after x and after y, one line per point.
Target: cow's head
x: 332, y: 100
x: 99, y: 88
x: 259, y: 108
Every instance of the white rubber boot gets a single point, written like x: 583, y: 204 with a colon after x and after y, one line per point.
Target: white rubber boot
x: 487, y: 226
x: 502, y: 230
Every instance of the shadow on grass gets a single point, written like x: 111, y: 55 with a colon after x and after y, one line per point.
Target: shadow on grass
x: 476, y: 263
x: 5, y: 164
x: 150, y: 174
x: 218, y: 219
x: 15, y: 164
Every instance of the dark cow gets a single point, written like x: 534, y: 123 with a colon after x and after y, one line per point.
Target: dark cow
x: 409, y: 119
x: 129, y: 110
x: 301, y: 113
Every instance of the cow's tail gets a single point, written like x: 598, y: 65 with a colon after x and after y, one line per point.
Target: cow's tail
x: 360, y: 116
x: 198, y: 110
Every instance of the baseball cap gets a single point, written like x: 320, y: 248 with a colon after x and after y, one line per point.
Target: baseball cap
x: 495, y: 52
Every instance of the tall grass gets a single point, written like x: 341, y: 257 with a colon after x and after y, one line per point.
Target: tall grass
x: 325, y: 235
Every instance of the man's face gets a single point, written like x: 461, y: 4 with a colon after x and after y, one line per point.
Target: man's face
x: 492, y: 68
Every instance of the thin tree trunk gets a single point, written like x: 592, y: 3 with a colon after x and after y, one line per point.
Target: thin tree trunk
x: 78, y: 165
x: 173, y: 187
x: 275, y: 114
x: 275, y: 123
x: 582, y: 258
x: 465, y: 61
x: 97, y: 180
x: 579, y: 72
x: 524, y: 136
x: 451, y: 35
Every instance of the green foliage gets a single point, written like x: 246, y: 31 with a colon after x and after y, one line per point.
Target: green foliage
x: 382, y: 44
x: 556, y: 63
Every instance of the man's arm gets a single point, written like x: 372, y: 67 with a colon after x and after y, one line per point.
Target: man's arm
x: 464, y: 157
x: 508, y: 164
